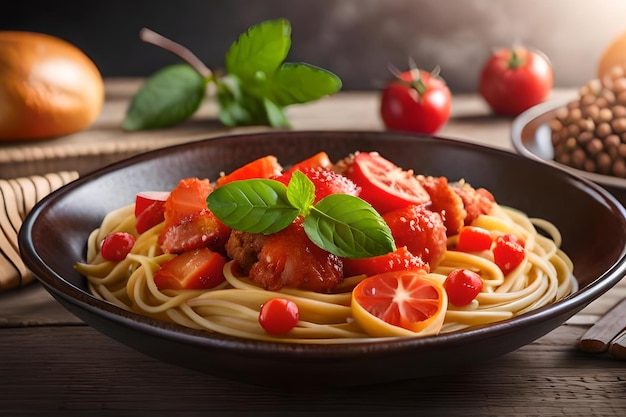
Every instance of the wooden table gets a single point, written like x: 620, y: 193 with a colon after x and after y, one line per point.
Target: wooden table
x: 53, y: 364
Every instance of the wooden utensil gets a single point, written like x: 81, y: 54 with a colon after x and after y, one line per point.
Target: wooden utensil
x: 17, y: 197
x: 608, y: 333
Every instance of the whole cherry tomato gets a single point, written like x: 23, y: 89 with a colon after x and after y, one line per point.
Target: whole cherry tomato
x: 278, y: 316
x: 462, y: 286
x: 513, y: 80
x: 116, y: 245
x: 416, y: 101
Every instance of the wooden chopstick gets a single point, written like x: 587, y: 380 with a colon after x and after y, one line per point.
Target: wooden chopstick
x: 617, y: 347
x: 608, y: 333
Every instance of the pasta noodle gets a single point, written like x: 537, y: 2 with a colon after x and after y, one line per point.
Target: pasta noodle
x: 544, y: 277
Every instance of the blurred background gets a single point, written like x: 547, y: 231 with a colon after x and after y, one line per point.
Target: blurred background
x: 356, y: 39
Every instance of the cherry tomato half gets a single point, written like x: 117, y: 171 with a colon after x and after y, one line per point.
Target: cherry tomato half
x: 115, y: 246
x: 513, y: 80
x: 416, y: 101
x: 462, y: 286
x: 278, y: 316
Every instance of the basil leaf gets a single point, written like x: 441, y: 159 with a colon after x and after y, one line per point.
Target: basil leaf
x: 301, y: 192
x: 234, y: 108
x: 297, y: 83
x: 167, y: 98
x: 260, y: 50
x: 275, y: 115
x: 255, y: 205
x: 238, y: 107
x: 348, y: 227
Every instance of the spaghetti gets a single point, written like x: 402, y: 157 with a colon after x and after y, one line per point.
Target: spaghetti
x: 544, y: 277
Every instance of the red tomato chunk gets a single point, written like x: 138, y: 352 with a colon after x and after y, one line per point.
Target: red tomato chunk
x: 508, y: 252
x: 198, y: 269
x: 474, y: 239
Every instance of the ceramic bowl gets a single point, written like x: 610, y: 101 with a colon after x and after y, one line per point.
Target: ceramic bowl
x: 591, y: 221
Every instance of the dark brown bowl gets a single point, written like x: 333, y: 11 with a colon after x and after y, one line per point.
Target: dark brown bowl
x: 592, y: 223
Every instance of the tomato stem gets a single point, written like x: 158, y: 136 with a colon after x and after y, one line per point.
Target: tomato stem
x: 515, y: 61
x: 150, y: 36
x: 416, y: 82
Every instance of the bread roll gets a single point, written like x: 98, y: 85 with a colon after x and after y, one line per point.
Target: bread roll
x: 48, y: 87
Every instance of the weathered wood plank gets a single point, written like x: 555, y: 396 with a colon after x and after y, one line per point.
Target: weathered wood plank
x: 76, y: 368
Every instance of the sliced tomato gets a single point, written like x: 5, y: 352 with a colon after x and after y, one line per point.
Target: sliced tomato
x: 194, y: 270
x: 399, y: 303
x: 462, y: 286
x: 399, y: 260
x: 189, y: 224
x: 422, y: 231
x: 384, y: 185
x: 508, y: 252
x: 326, y: 182
x: 474, y: 239
x: 150, y: 217
x: 144, y: 199
x: 319, y: 160
x: 278, y: 316
x: 149, y: 209
x: 264, y: 167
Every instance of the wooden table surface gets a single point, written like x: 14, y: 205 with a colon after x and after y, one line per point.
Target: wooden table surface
x: 51, y: 363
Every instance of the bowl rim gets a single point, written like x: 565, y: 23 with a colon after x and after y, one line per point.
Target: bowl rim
x: 61, y: 288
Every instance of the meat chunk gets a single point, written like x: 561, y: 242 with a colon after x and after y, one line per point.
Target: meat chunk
x: 286, y: 259
x: 458, y: 202
x: 421, y: 230
x: 189, y: 224
x: 476, y: 201
x: 244, y: 248
x: 446, y: 202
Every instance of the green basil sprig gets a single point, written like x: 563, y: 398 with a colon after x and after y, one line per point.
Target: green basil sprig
x: 341, y: 224
x: 254, y: 90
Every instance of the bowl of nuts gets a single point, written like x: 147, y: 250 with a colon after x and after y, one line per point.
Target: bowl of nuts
x: 585, y: 135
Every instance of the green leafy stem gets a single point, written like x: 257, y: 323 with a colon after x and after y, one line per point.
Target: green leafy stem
x: 341, y: 224
x: 255, y: 88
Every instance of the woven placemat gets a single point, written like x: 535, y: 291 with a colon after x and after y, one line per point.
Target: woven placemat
x: 17, y: 197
